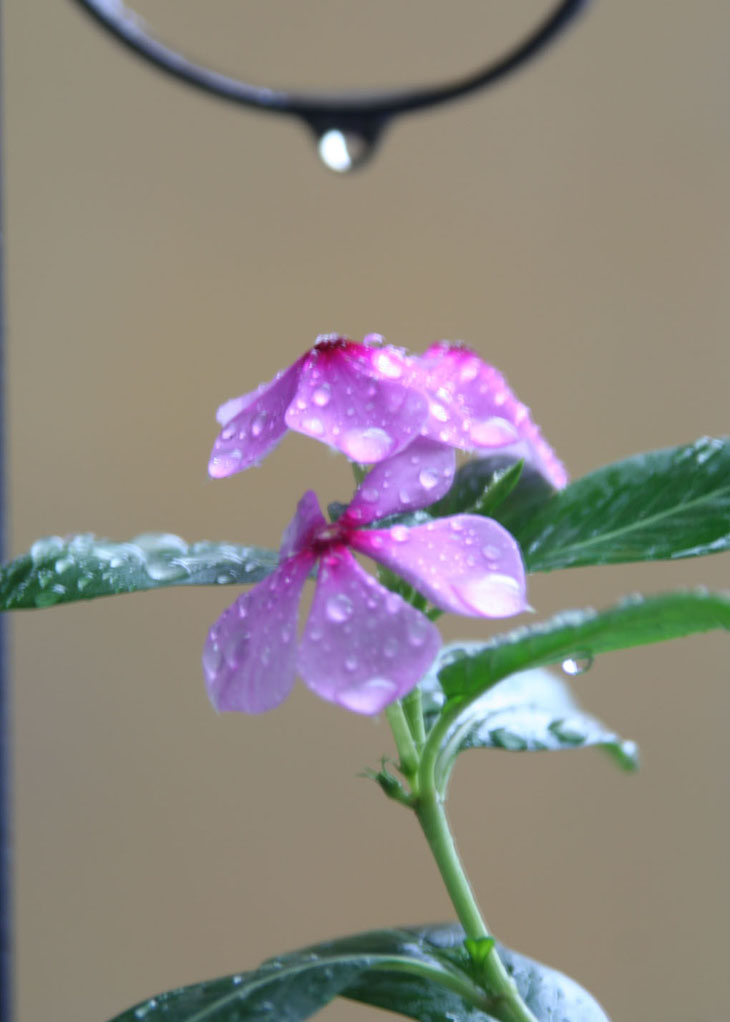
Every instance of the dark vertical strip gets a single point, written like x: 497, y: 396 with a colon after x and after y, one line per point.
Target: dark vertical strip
x: 6, y: 910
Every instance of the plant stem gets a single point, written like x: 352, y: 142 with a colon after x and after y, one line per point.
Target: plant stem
x: 407, y: 752
x: 432, y: 817
x: 413, y: 708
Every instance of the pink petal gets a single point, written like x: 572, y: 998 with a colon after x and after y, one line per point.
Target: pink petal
x: 349, y: 397
x: 362, y: 646
x: 466, y: 564
x: 307, y: 518
x: 417, y: 477
x: 253, y: 424
x: 249, y: 659
x: 472, y: 407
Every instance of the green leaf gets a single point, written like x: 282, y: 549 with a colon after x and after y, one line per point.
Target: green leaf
x: 482, y: 485
x: 528, y: 712
x: 294, y: 986
x: 662, y: 505
x: 580, y: 635
x: 421, y: 973
x: 83, y: 567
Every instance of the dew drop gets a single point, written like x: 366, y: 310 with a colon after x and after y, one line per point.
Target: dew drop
x: 428, y: 478
x: 343, y: 151
x: 339, y: 608
x: 574, y: 666
x: 399, y: 533
x: 369, y: 494
x: 388, y: 366
x: 390, y: 647
x: 321, y: 395
x: 493, y: 432
x: 417, y: 631
x: 369, y: 696
x: 313, y: 425
x: 469, y: 371
x: 163, y: 571
x: 257, y: 426
x: 367, y: 445
x: 350, y: 663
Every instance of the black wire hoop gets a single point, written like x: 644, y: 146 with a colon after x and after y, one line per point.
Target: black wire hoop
x: 358, y: 117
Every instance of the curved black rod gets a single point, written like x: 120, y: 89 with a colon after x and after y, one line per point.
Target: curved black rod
x: 347, y: 110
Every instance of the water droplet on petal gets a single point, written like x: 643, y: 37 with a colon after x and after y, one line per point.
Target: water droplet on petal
x: 369, y: 696
x: 574, y: 666
x: 493, y: 594
x: 399, y: 533
x: 493, y: 432
x: 367, y: 445
x: 390, y: 647
x: 339, y: 608
x: 321, y: 395
x: 313, y: 425
x: 343, y: 151
x: 387, y: 366
x: 369, y: 494
x: 257, y: 425
x: 469, y: 370
x: 417, y: 631
x: 439, y: 412
x: 428, y: 478
x: 350, y: 663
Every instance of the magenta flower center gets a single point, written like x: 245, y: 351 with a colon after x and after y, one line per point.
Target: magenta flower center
x: 324, y: 538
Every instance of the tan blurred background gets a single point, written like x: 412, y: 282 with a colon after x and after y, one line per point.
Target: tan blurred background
x: 166, y: 252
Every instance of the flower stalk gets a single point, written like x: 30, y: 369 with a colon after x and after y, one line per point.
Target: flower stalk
x: 428, y: 806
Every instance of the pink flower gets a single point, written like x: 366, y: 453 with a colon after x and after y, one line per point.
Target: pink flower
x: 472, y: 408
x: 370, y: 401
x: 362, y: 646
x: 348, y: 395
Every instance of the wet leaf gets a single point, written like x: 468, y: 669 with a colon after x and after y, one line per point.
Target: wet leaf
x: 577, y: 635
x: 422, y: 973
x: 528, y: 712
x: 295, y: 985
x: 662, y: 505
x: 82, y: 567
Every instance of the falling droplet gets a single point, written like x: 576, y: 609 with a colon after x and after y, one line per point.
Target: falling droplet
x: 343, y: 151
x: 577, y: 665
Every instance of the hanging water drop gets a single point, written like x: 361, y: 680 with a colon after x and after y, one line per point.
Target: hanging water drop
x: 343, y: 151
x: 577, y: 665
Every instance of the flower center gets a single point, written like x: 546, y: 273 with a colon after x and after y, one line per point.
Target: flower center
x: 327, y: 536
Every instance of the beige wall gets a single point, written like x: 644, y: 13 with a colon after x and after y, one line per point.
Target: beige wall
x: 166, y: 252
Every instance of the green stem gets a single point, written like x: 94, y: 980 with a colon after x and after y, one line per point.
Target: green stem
x: 413, y: 708
x: 431, y: 815
x: 407, y: 751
